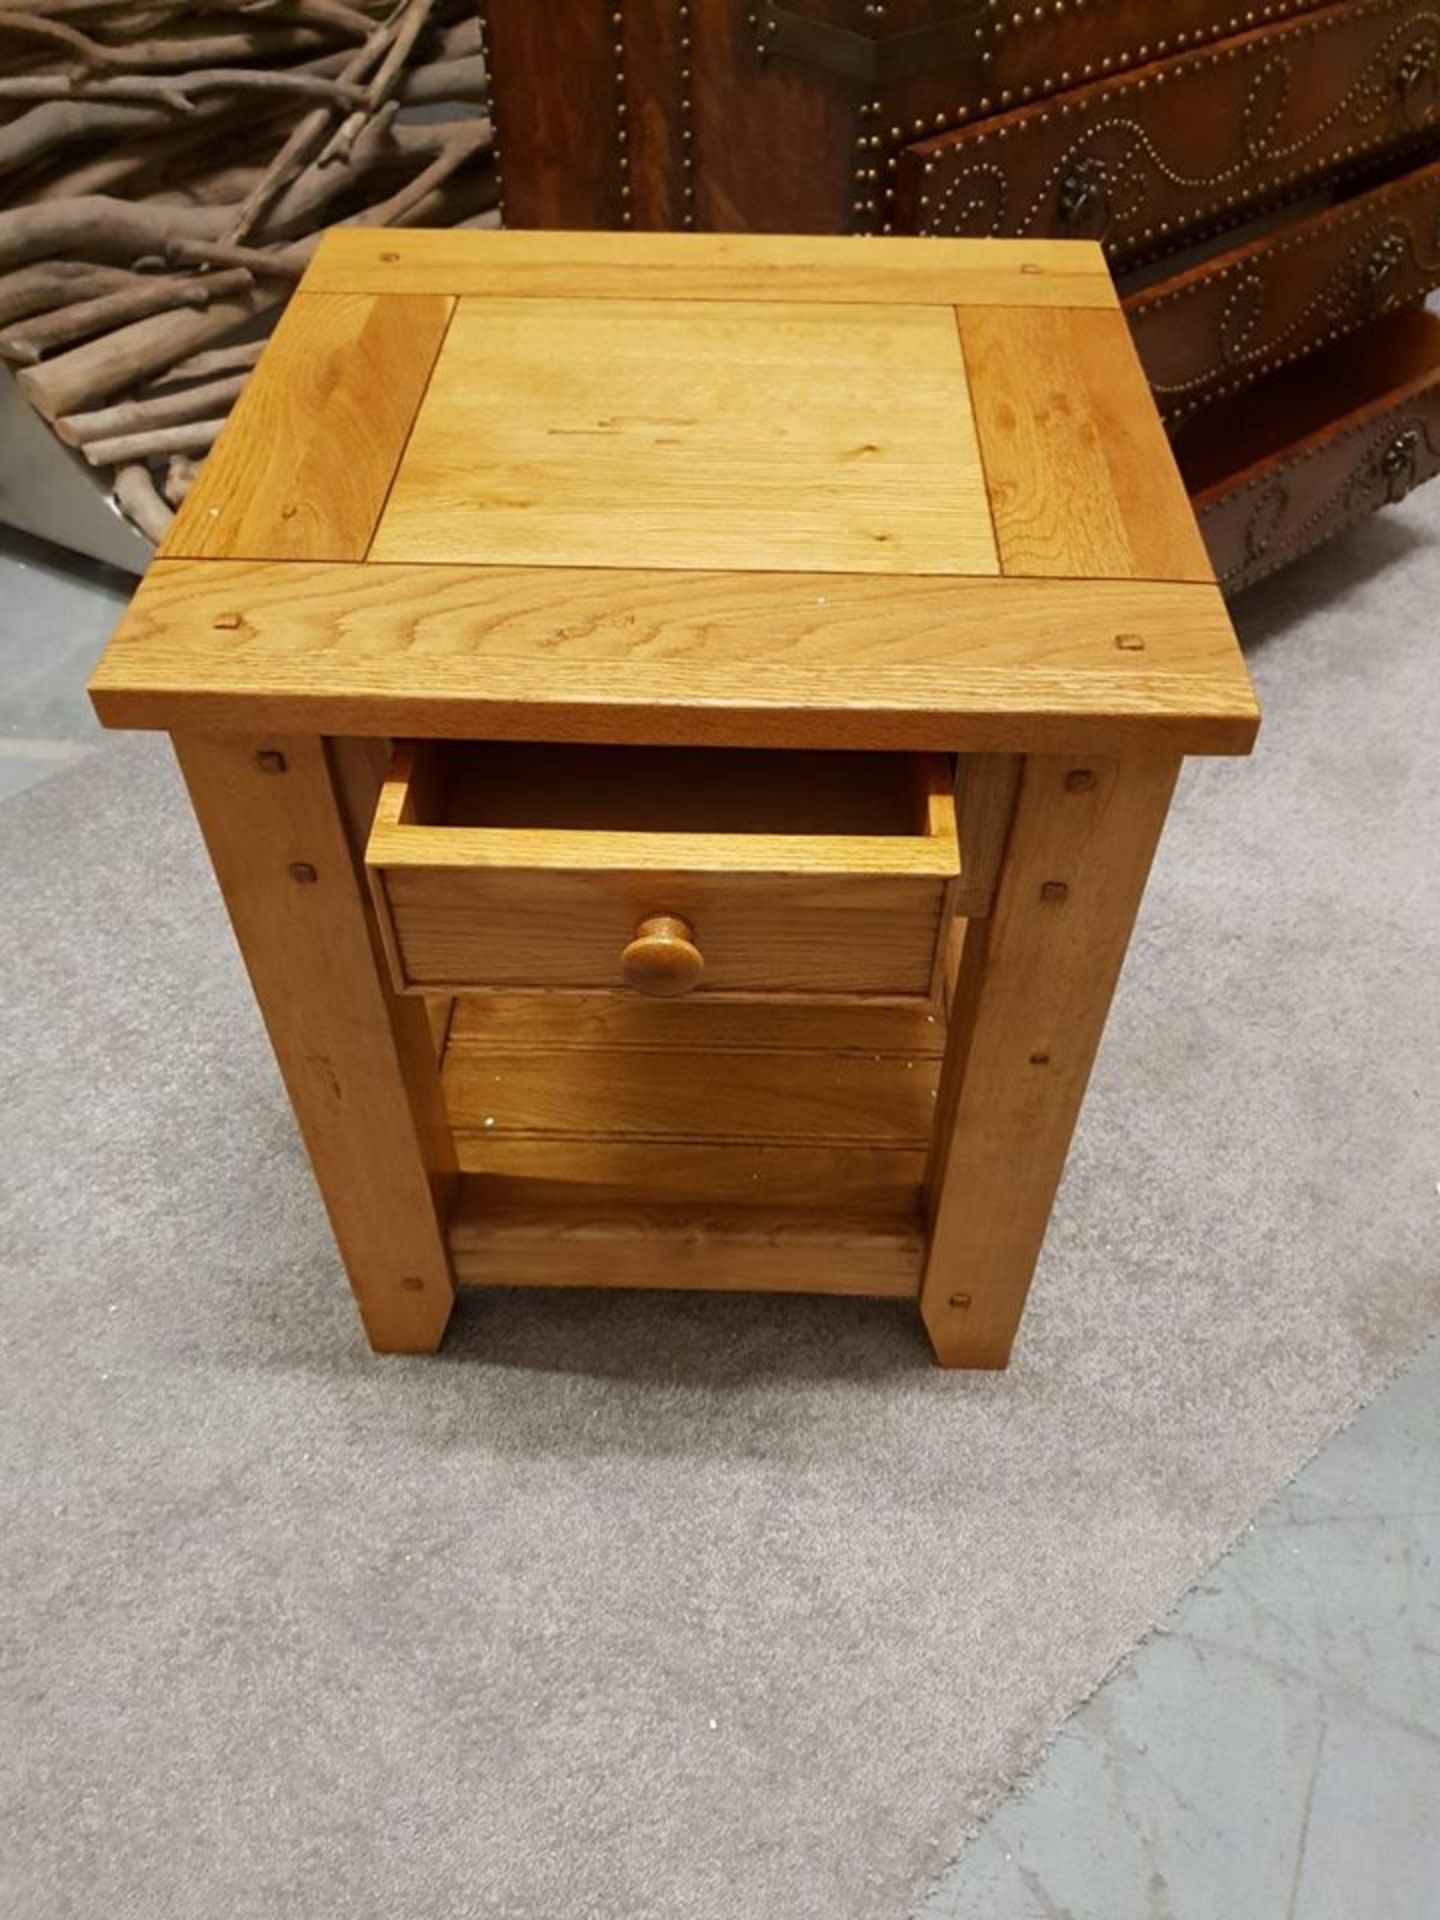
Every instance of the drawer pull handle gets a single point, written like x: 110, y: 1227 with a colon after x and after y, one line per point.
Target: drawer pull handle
x: 663, y: 960
x: 1084, y: 205
x: 1386, y: 259
x: 1399, y: 465
x: 1415, y: 81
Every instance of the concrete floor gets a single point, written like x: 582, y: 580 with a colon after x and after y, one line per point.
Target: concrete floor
x: 1273, y: 1751
x: 55, y: 613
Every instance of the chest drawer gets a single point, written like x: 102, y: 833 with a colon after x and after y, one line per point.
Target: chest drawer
x: 1184, y: 145
x: 665, y: 871
x: 1349, y: 431
x: 1221, y: 326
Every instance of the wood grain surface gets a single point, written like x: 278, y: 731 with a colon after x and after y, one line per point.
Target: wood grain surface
x: 730, y: 1250
x: 359, y: 1064
x: 753, y: 436
x: 797, y: 911
x: 519, y: 1023
x: 690, y: 1093
x: 528, y: 1170
x: 506, y: 1051
x: 1034, y: 988
x: 823, y: 660
x: 1081, y: 478
x: 819, y: 933
x: 302, y: 468
x: 625, y: 1143
x: 713, y: 266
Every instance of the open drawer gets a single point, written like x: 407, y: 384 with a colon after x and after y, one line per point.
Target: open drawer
x: 664, y: 870
x: 1275, y: 471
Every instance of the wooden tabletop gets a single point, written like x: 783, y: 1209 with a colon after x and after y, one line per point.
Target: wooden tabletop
x: 688, y: 487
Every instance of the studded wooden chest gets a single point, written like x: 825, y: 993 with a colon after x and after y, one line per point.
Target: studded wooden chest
x: 1265, y: 179
x: 681, y: 724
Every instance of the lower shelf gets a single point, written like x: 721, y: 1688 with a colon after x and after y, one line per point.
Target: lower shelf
x: 494, y: 1242
x: 605, y: 1141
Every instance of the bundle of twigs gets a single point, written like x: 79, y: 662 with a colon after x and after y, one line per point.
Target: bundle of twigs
x: 166, y: 170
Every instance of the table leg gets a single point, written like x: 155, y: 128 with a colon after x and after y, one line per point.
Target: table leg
x: 1033, y: 989
x: 358, y: 1059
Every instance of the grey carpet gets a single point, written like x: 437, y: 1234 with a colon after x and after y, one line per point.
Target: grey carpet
x: 654, y: 1606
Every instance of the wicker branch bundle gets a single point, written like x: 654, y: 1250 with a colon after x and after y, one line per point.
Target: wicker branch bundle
x: 166, y: 170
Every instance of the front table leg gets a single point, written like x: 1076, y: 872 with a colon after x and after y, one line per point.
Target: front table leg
x: 357, y: 1058
x: 1030, y: 1002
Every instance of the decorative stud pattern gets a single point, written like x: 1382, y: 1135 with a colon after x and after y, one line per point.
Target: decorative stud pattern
x: 865, y: 177
x: 1003, y: 20
x: 1394, y: 455
x: 686, y: 83
x: 622, y: 108
x: 482, y: 9
x: 1391, y: 256
x: 1151, y: 190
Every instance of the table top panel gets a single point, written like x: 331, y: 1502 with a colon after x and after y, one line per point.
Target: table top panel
x: 686, y: 486
x: 753, y: 436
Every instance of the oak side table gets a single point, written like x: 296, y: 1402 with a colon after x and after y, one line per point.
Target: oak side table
x: 681, y: 723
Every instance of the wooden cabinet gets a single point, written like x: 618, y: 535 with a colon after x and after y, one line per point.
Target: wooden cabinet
x: 791, y: 646
x: 1264, y: 180
x: 1186, y: 145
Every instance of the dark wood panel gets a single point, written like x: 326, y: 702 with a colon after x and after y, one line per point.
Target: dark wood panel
x: 554, y: 94
x: 1184, y: 145
x: 1223, y: 325
x: 1024, y: 53
x: 1317, y: 447
x: 776, y: 138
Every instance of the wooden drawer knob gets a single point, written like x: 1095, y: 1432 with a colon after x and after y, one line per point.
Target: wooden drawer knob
x: 663, y: 959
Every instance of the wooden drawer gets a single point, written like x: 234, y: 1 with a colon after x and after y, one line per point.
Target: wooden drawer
x: 1276, y: 471
x: 1183, y: 145
x: 1222, y: 325
x: 667, y: 870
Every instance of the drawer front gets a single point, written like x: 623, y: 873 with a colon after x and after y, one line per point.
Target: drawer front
x: 1369, y: 457
x: 1182, y: 146
x: 466, y: 908
x: 469, y: 928
x: 1221, y: 326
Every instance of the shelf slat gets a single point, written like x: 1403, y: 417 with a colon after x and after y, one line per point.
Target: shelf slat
x: 735, y: 1249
